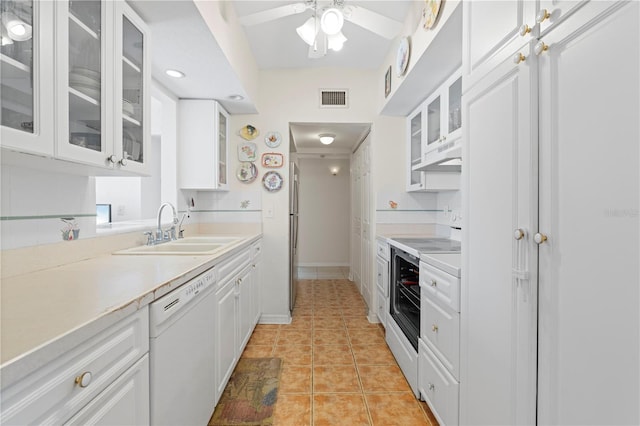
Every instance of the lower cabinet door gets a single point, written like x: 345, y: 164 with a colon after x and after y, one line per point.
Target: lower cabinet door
x: 437, y: 386
x: 226, y: 335
x: 123, y: 402
x: 382, y: 308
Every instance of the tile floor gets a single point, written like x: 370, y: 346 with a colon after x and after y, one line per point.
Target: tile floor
x: 337, y: 369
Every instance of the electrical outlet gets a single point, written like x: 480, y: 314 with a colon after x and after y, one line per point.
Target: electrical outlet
x: 121, y: 210
x: 268, y: 210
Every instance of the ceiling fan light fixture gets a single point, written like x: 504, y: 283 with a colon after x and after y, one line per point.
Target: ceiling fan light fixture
x: 336, y: 41
x: 326, y: 138
x: 307, y: 31
x: 331, y: 21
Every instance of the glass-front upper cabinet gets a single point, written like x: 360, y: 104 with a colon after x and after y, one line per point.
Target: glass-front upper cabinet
x: 415, y: 179
x: 132, y: 103
x: 84, y: 81
x: 26, y: 92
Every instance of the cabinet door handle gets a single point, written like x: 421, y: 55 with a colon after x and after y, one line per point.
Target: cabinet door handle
x: 123, y: 162
x: 540, y: 47
x: 518, y: 57
x: 543, y: 15
x: 84, y: 379
x: 434, y: 283
x: 434, y: 328
x: 432, y: 387
x: 112, y: 159
x: 539, y: 238
x: 524, y: 30
x: 518, y: 234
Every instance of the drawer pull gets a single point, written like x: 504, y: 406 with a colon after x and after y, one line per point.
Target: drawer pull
x: 434, y: 328
x: 432, y: 387
x: 84, y: 379
x: 433, y: 283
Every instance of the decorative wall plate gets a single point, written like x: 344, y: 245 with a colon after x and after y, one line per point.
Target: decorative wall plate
x: 272, y: 160
x: 402, y: 58
x: 430, y: 13
x: 247, y: 172
x: 272, y: 181
x: 247, y: 151
x: 249, y: 132
x: 272, y: 139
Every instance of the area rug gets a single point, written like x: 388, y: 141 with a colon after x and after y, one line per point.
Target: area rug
x: 250, y: 396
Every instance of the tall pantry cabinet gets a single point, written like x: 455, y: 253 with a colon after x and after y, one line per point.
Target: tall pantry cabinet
x: 551, y: 247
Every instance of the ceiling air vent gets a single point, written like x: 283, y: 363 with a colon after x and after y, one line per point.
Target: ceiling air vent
x: 334, y: 98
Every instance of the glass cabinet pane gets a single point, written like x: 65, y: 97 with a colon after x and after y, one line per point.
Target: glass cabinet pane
x: 416, y: 146
x: 16, y: 73
x: 85, y: 79
x: 455, y: 98
x: 222, y: 149
x: 132, y: 91
x: 433, y: 121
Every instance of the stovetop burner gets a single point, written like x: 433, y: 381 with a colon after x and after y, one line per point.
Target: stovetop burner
x: 416, y: 246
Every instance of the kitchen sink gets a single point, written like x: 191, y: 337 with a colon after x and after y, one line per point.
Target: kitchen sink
x: 203, y: 245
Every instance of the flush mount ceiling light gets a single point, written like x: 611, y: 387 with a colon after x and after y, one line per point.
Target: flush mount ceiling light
x: 308, y: 31
x: 326, y: 138
x: 174, y: 73
x: 235, y: 97
x: 331, y: 21
x: 17, y: 29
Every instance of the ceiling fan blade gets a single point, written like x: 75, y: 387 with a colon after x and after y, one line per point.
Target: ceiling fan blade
x: 273, y: 14
x: 372, y: 21
x: 319, y: 48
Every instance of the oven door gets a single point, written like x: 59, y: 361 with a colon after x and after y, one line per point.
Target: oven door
x: 404, y: 303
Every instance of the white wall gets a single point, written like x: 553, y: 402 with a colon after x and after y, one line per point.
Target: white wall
x: 324, y: 213
x: 124, y: 195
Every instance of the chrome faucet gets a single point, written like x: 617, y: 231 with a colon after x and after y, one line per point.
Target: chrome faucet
x: 160, y: 235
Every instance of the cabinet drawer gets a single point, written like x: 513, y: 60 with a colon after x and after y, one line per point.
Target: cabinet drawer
x: 440, y: 286
x: 233, y: 265
x: 51, y: 395
x: 382, y: 276
x: 124, y: 402
x: 440, y: 329
x: 382, y: 248
x: 437, y: 387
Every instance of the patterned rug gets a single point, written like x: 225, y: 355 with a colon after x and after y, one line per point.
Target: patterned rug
x: 250, y: 396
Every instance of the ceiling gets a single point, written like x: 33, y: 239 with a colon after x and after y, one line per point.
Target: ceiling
x: 182, y: 40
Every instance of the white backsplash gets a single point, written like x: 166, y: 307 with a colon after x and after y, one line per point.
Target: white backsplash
x: 228, y: 207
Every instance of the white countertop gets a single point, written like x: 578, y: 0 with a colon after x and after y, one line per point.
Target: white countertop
x: 47, y: 312
x: 448, y: 262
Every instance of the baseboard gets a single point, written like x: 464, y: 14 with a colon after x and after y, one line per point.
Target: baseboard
x: 322, y: 265
x: 275, y: 319
x: 373, y: 317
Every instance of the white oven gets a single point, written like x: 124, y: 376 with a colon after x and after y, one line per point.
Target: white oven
x: 403, y: 328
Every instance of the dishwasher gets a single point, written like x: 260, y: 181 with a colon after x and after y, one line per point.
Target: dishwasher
x: 181, y: 354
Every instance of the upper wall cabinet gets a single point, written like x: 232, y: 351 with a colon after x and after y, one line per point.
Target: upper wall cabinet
x: 98, y: 114
x: 103, y: 91
x: 203, y: 145
x: 26, y: 77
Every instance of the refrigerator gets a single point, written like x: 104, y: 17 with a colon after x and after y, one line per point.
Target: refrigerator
x: 294, y: 186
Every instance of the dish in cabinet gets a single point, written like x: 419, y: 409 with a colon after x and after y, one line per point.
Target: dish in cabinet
x: 272, y: 181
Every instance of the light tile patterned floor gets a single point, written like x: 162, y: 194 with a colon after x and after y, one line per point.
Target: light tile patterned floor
x: 337, y: 368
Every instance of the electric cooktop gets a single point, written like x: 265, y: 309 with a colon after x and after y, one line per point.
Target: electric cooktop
x: 415, y: 246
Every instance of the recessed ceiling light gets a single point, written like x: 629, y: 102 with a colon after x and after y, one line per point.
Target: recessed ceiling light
x: 235, y: 97
x: 174, y: 73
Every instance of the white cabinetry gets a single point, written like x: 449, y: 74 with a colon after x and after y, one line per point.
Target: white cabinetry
x: 382, y: 280
x: 87, y: 376
x: 238, y: 309
x: 439, y: 344
x: 203, y: 127
x: 518, y: 351
x: 26, y: 93
x: 434, y: 130
x: 96, y: 112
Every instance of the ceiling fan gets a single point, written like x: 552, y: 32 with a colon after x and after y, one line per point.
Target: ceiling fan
x: 323, y: 30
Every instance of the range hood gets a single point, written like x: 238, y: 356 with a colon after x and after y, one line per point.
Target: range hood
x: 446, y: 158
